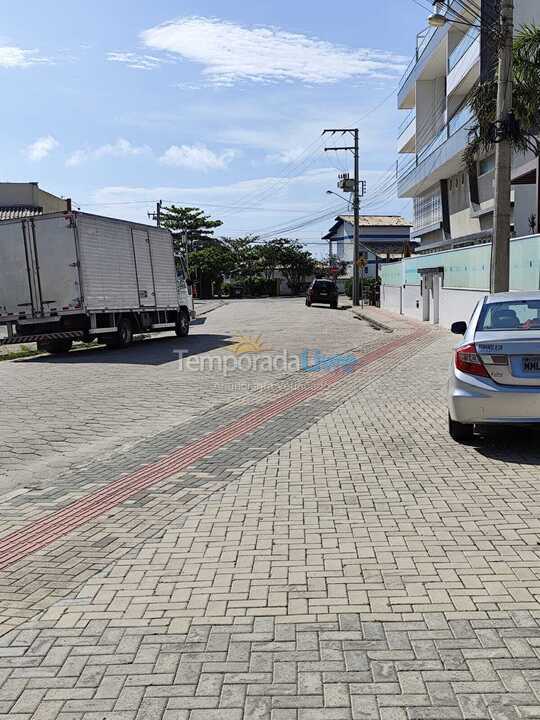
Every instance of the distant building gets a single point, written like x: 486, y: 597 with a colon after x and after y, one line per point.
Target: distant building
x: 383, y: 238
x: 21, y: 200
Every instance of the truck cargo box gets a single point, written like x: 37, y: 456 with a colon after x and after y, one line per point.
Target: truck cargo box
x: 73, y: 262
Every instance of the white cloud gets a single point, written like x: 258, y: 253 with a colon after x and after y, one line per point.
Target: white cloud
x: 121, y: 148
x: 196, y: 157
x: 12, y: 56
x: 41, y: 148
x: 230, y: 53
x: 136, y: 61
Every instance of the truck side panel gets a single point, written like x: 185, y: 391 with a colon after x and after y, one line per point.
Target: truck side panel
x: 164, y: 268
x: 107, y: 263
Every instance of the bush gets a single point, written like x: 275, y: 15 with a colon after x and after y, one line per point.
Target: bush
x: 370, y: 285
x: 251, y: 286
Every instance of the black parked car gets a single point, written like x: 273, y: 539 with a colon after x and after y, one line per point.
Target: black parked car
x: 322, y: 291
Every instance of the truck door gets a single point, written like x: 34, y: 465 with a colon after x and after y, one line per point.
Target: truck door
x: 143, y: 267
x: 56, y: 264
x: 18, y: 287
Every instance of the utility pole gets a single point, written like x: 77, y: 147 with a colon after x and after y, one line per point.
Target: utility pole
x: 157, y: 215
x: 500, y: 250
x: 356, y: 202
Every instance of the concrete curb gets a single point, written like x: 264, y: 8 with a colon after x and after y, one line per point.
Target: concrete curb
x: 375, y: 323
x: 221, y: 304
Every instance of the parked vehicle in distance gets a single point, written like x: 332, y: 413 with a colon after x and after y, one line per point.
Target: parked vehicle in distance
x: 322, y: 291
x: 75, y: 276
x: 495, y: 373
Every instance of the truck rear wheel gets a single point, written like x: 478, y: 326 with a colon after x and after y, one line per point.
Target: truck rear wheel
x: 182, y: 324
x: 55, y: 347
x: 122, y: 337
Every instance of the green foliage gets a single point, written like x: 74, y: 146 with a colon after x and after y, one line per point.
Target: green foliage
x: 369, y: 285
x: 189, y: 223
x: 526, y: 99
x: 252, y: 286
x: 213, y: 261
x: 296, y: 265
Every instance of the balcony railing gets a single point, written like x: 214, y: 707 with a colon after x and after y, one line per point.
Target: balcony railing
x: 410, y: 117
x: 437, y: 141
x: 461, y: 118
x: 457, y: 122
x: 459, y: 51
x: 422, y: 41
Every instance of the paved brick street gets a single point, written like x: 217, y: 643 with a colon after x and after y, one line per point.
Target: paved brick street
x: 277, y: 545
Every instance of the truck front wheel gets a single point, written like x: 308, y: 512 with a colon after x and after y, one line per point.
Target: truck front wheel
x: 182, y: 324
x: 55, y: 347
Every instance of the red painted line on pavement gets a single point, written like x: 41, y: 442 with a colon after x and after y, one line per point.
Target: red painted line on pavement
x: 43, y: 532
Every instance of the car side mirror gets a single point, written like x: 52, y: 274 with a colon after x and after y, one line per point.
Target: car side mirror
x: 459, y: 328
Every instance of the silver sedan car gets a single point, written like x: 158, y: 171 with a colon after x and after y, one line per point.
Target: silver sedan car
x: 495, y: 373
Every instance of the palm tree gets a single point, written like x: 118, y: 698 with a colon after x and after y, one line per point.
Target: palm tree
x: 525, y: 123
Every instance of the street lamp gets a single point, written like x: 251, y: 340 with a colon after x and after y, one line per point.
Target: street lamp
x: 342, y: 197
x: 438, y: 18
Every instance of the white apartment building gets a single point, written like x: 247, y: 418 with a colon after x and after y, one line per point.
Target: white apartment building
x: 452, y: 206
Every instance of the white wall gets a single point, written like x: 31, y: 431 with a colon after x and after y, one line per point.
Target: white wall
x: 412, y: 297
x: 456, y: 305
x: 391, y: 298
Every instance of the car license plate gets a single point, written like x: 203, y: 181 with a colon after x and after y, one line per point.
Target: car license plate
x: 531, y: 364
x: 324, y: 293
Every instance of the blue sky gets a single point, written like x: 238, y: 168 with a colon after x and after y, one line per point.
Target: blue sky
x: 215, y: 104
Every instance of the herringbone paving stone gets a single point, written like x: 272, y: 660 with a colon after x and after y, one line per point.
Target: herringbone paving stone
x: 347, y: 561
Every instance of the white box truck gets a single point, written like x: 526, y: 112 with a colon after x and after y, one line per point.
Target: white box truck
x: 75, y: 276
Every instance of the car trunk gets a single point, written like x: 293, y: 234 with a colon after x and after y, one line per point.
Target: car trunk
x: 511, y: 357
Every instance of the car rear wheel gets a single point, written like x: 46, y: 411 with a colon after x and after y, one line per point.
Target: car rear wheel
x: 308, y: 303
x: 460, y: 432
x: 333, y: 305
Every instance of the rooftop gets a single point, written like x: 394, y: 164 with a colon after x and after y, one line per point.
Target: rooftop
x: 377, y: 220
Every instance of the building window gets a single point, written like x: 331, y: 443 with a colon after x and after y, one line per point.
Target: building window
x: 487, y: 165
x: 427, y: 210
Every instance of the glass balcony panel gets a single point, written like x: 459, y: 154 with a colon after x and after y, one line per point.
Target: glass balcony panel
x: 460, y: 50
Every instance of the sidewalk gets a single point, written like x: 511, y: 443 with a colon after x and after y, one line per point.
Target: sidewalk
x: 363, y: 567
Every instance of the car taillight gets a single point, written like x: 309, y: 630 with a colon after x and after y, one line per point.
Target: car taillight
x: 468, y: 361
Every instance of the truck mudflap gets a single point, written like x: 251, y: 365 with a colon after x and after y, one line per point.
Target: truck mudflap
x: 19, y: 339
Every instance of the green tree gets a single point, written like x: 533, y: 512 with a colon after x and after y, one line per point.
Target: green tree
x: 212, y: 263
x: 246, y: 256
x: 296, y: 265
x: 271, y: 256
x: 526, y: 101
x: 190, y: 223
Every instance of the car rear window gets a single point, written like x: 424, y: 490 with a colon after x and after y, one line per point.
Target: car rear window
x: 510, y: 315
x: 326, y: 284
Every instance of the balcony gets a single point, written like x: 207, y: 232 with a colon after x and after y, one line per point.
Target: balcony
x: 407, y: 134
x: 464, y: 63
x: 424, y: 42
x: 439, y: 159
